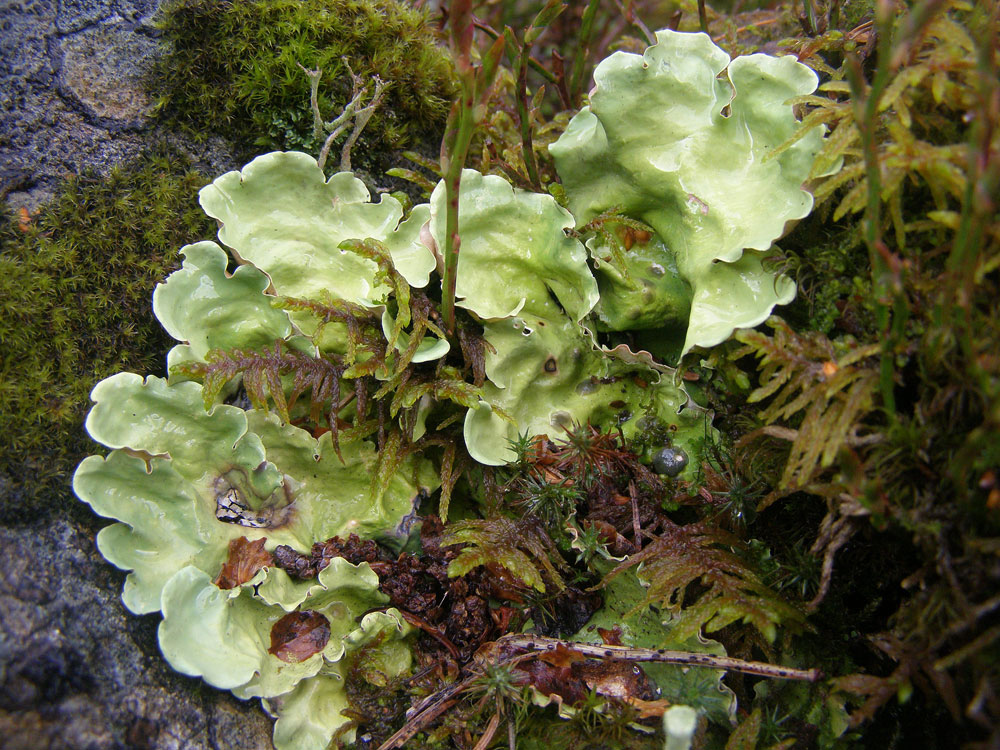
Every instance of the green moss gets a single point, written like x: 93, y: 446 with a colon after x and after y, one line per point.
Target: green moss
x: 234, y: 69
x: 74, y: 308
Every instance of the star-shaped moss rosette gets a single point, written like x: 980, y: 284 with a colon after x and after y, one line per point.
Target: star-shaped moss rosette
x: 185, y: 481
x: 679, y: 138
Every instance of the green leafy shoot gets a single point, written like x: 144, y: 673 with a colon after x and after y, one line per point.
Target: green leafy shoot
x: 386, y: 274
x: 262, y: 374
x: 519, y: 546
x: 417, y: 178
x: 421, y: 310
x: 937, y: 78
x: 619, y: 233
x: 804, y: 374
x: 446, y: 384
x: 696, y: 572
x: 518, y: 53
x: 366, y: 346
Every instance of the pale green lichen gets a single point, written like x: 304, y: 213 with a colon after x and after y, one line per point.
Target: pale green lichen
x: 223, y: 636
x: 282, y: 215
x: 679, y: 138
x: 208, y: 308
x: 642, y: 627
x: 665, y: 140
x: 546, y: 373
x: 514, y: 251
x: 178, y: 467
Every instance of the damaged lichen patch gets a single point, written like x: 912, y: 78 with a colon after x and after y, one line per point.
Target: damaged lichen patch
x: 185, y: 481
x: 237, y: 640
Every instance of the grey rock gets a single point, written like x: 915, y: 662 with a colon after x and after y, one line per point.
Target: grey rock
x: 79, y: 671
x: 72, y: 97
x: 102, y: 71
x: 73, y: 15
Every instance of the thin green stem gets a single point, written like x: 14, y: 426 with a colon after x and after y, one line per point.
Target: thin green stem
x: 583, y: 49
x: 866, y: 104
x: 454, y: 162
x: 524, y: 121
x: 978, y: 200
x: 535, y: 65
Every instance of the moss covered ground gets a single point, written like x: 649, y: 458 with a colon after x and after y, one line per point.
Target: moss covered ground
x: 76, y: 281
x: 236, y: 68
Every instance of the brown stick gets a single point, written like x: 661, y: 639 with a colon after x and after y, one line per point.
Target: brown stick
x: 434, y: 705
x: 491, y: 729
x: 432, y: 631
x: 686, y: 658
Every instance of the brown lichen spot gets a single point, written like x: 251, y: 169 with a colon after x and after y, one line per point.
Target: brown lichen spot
x: 551, y: 365
x: 612, y: 636
x: 245, y: 559
x: 299, y: 635
x: 632, y: 236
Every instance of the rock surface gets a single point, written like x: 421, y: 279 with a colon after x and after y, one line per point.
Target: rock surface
x: 72, y: 95
x: 78, y: 671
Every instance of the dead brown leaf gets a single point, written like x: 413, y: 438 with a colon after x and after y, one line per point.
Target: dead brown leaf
x: 561, y: 656
x: 299, y: 635
x: 24, y: 220
x: 245, y: 559
x: 650, y: 709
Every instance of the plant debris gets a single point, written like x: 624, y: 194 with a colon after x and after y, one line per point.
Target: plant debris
x: 244, y: 560
x: 299, y: 635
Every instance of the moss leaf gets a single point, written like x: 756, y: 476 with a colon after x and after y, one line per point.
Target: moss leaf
x: 245, y: 560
